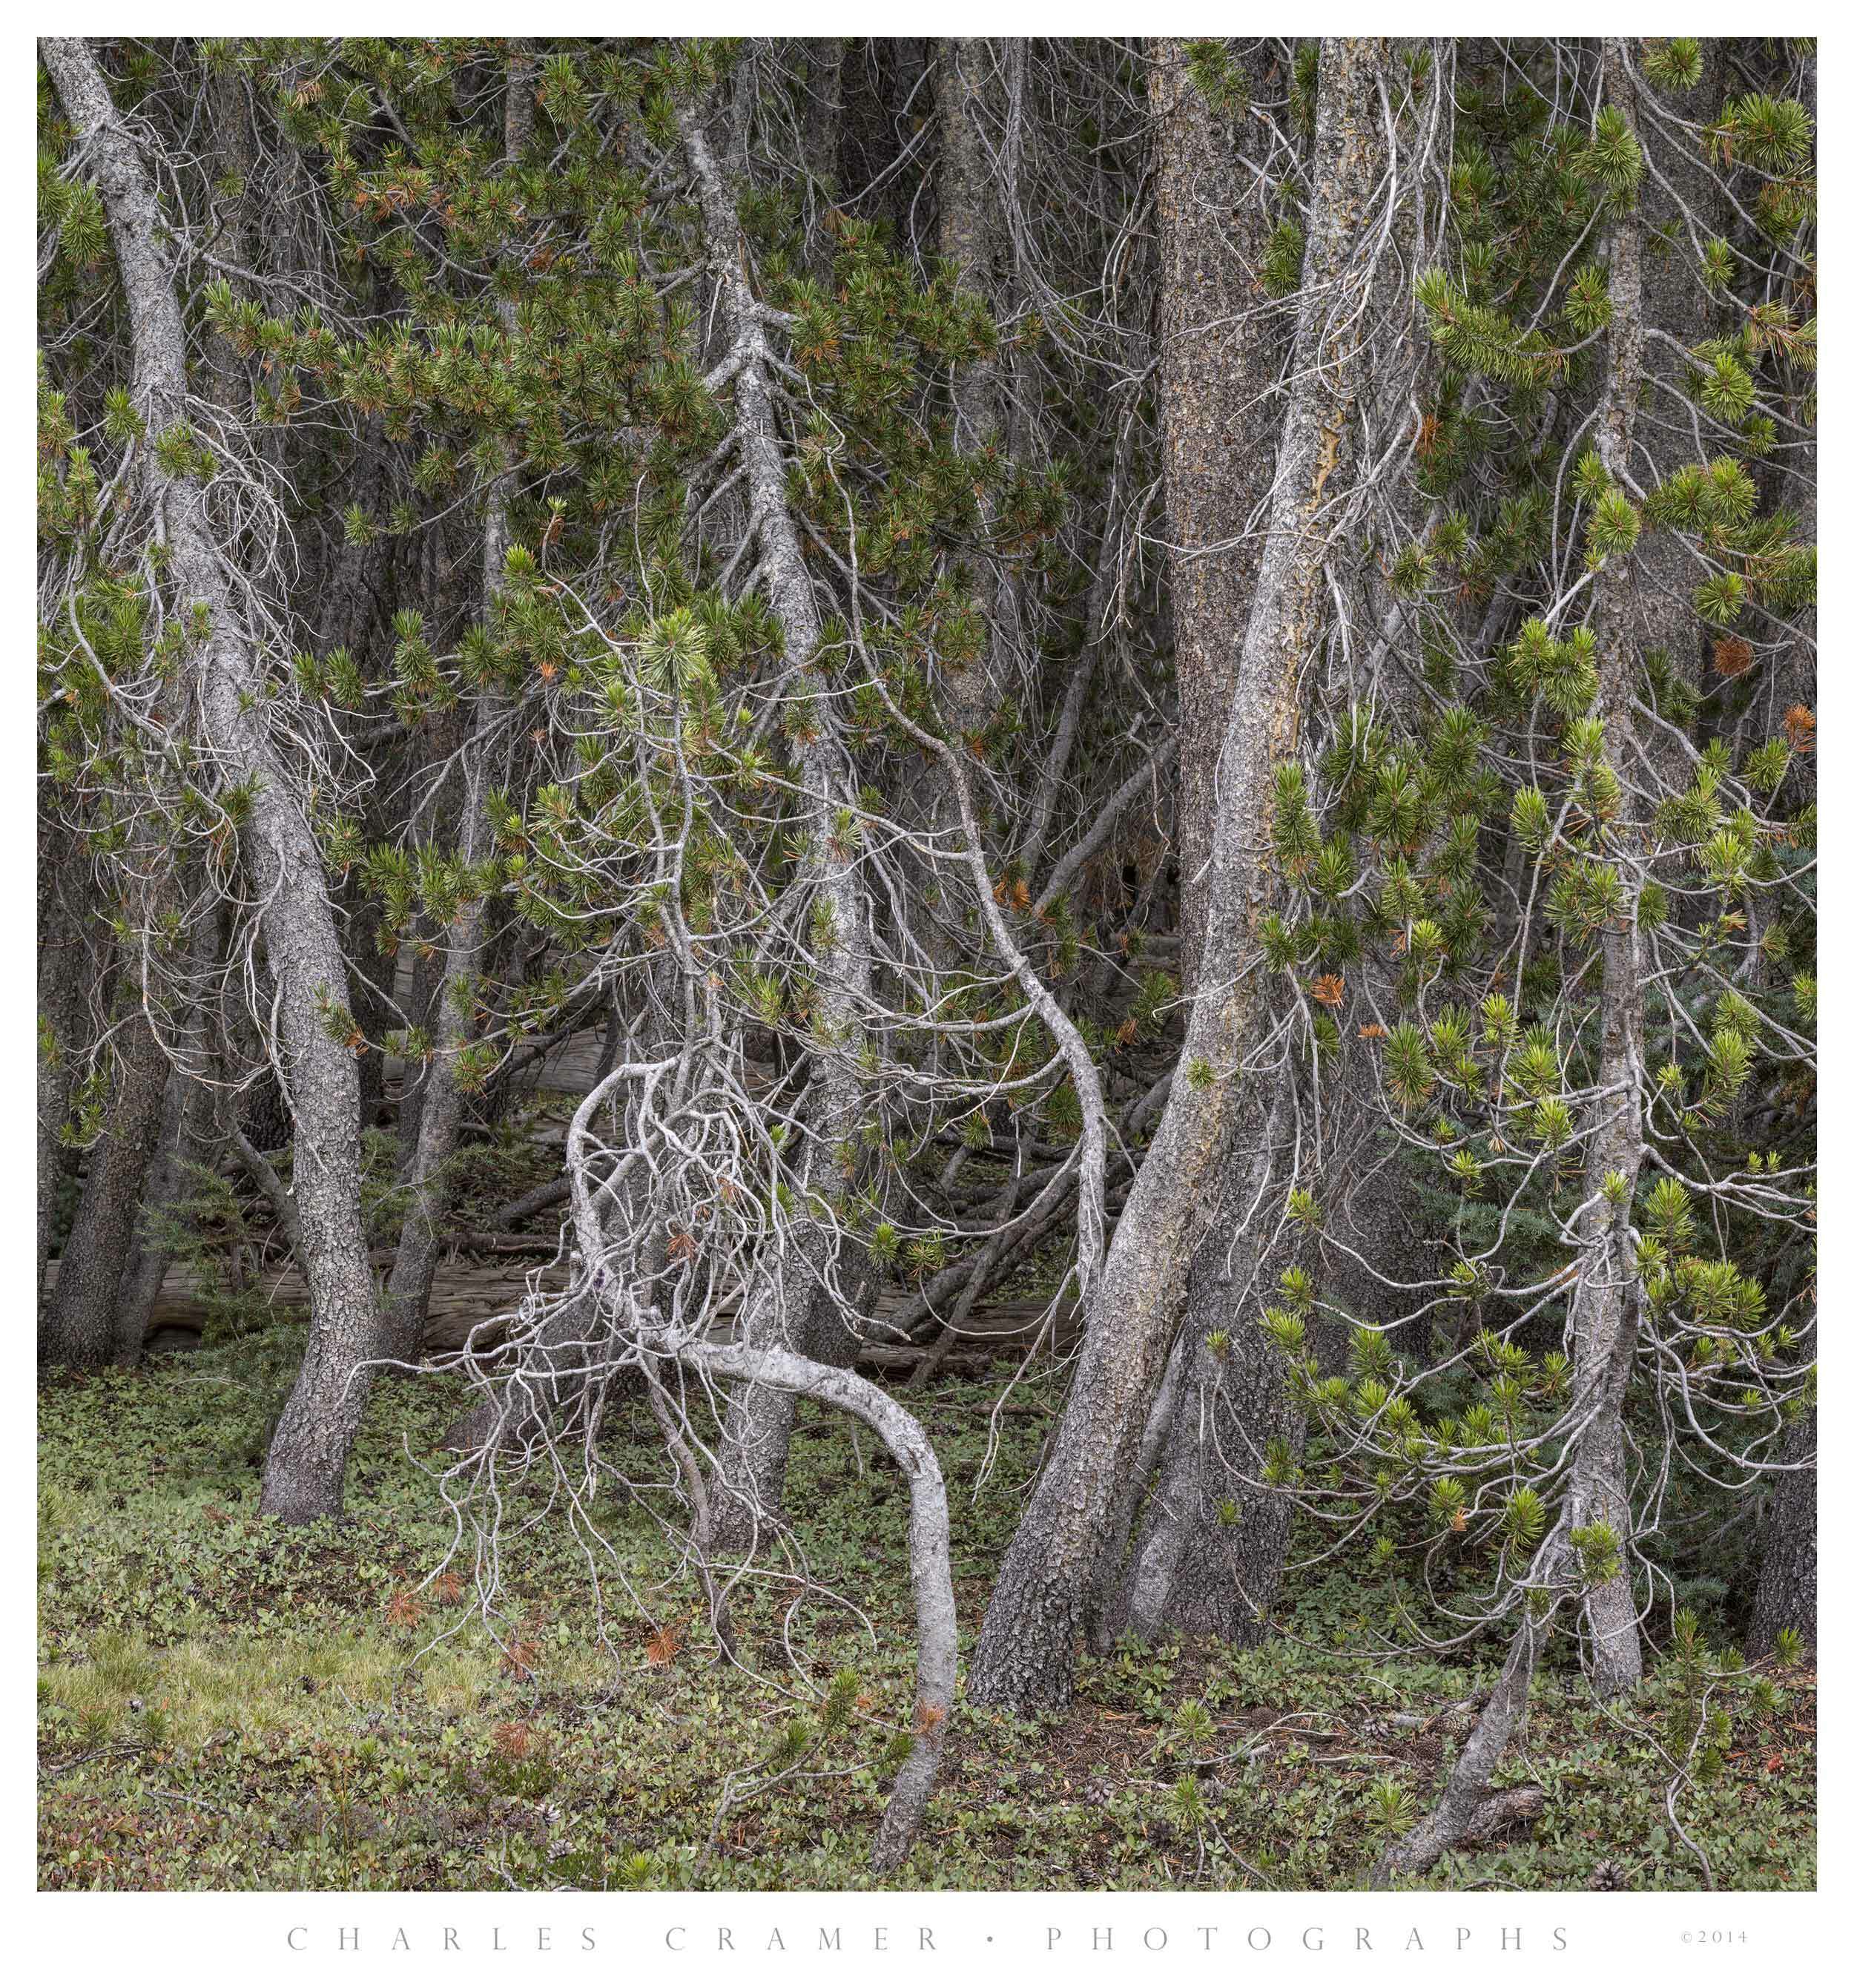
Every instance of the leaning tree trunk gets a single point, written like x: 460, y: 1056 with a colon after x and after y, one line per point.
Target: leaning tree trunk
x: 307, y: 1459
x: 1502, y: 1719
x: 1221, y: 346
x: 1026, y: 1650
x: 793, y: 1310
x: 1214, y: 1542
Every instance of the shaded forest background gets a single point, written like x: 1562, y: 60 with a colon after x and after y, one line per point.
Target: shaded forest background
x: 927, y: 963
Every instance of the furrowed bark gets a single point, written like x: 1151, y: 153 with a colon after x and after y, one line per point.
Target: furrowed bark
x: 974, y: 76
x: 1682, y: 204
x: 1221, y: 346
x: 1026, y: 1649
x: 146, y: 1268
x: 303, y: 1474
x: 1786, y: 1579
x: 1210, y: 1550
x: 99, y: 1253
x: 1222, y: 342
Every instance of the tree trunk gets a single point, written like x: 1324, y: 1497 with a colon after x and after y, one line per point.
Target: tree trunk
x: 795, y: 1305
x: 1603, y: 1315
x: 1501, y: 1722
x: 303, y: 1474
x: 1221, y: 346
x: 1222, y: 342
x: 440, y: 1101
x: 1683, y: 208
x: 62, y: 964
x: 149, y: 1256
x: 1786, y: 1579
x: 1026, y: 1650
x: 1604, y: 1306
x: 81, y: 1329
x: 1209, y: 1557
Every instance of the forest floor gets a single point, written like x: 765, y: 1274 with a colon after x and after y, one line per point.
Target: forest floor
x: 223, y: 1703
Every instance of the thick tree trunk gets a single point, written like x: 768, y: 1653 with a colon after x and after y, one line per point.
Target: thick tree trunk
x: 308, y: 1453
x: 1369, y: 1244
x: 1786, y: 1579
x: 821, y: 115
x: 1683, y: 208
x: 1222, y: 343
x: 1212, y: 1548
x: 1026, y: 1649
x: 81, y: 1329
x: 63, y: 973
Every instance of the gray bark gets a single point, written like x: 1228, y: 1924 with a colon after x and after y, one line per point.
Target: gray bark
x: 1603, y: 1322
x: 149, y: 1256
x: 1604, y: 1307
x: 1682, y: 208
x: 1786, y: 1579
x: 974, y: 76
x: 81, y: 1331
x: 1026, y: 1649
x: 308, y: 1453
x: 795, y: 1310
x: 1464, y: 1795
x: 1221, y: 346
x: 775, y: 1370
x: 62, y: 963
x: 1221, y: 350
x: 1195, y: 1567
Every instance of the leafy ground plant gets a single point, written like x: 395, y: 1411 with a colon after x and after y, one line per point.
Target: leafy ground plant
x: 225, y: 1702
